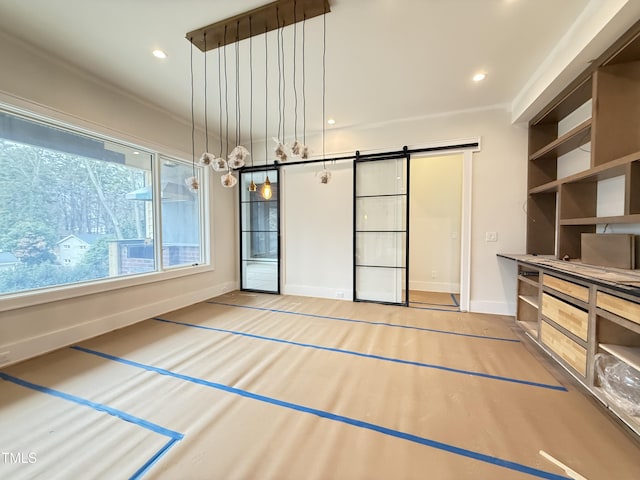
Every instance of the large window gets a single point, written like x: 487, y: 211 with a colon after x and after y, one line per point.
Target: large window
x: 77, y: 208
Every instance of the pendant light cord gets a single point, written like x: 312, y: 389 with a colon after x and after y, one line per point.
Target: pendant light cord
x: 304, y: 83
x: 324, y: 81
x: 279, y: 75
x: 226, y: 90
x: 193, y: 125
x: 284, y: 82
x: 238, y: 83
x: 206, y: 122
x: 220, y: 96
x: 295, y: 61
x: 251, y: 92
x: 266, y: 94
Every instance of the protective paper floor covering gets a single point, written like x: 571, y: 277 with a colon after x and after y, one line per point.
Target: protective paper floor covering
x: 268, y: 387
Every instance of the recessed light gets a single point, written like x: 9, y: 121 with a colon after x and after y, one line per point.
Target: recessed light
x: 478, y: 77
x: 136, y: 153
x: 159, y: 53
x: 331, y: 121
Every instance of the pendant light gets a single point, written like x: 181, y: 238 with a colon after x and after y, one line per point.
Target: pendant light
x: 239, y: 154
x: 192, y: 182
x: 265, y: 191
x: 227, y: 180
x: 252, y: 185
x: 219, y: 164
x: 206, y: 159
x: 325, y: 175
x: 280, y: 148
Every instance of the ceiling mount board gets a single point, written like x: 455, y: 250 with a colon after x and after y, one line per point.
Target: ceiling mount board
x: 263, y: 19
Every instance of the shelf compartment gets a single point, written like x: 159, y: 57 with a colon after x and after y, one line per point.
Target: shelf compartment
x: 534, y: 282
x: 530, y: 299
x: 578, y: 200
x: 574, y: 138
x: 616, y: 112
x: 569, y: 351
x: 629, y: 355
x: 570, y: 239
x: 632, y: 188
x: 568, y: 101
x: 541, y: 224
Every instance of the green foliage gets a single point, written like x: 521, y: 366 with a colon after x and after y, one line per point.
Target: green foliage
x: 46, y: 195
x: 28, y: 277
x: 97, y: 258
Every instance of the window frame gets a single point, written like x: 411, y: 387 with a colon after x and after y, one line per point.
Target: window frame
x: 27, y: 298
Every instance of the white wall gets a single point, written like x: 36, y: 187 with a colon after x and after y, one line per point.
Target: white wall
x: 317, y: 226
x: 434, y: 226
x: 41, y: 85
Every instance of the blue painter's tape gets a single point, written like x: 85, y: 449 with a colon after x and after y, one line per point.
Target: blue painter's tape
x: 96, y: 406
x: 434, y: 309
x: 341, y: 319
x: 455, y: 300
x: 142, y: 470
x: 173, y: 435
x: 367, y: 355
x: 337, y: 418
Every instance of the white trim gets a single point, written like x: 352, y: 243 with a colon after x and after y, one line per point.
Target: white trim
x: 318, y: 292
x: 495, y: 308
x: 465, y: 231
x: 442, y: 287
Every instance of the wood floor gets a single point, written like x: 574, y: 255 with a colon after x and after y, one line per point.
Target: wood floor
x: 252, y: 386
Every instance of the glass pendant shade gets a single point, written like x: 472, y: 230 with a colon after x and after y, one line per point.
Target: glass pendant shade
x: 266, y: 189
x: 206, y: 159
x: 219, y: 165
x: 192, y: 183
x: 325, y: 176
x: 238, y: 157
x: 228, y: 180
x: 252, y: 186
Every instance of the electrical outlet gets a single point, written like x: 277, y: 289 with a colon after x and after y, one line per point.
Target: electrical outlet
x: 4, y: 358
x: 491, y: 237
x: 339, y: 294
x: 434, y: 274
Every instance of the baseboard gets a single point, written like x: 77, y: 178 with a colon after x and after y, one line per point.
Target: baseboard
x: 444, y: 287
x: 320, y: 292
x: 496, y: 308
x: 34, y: 346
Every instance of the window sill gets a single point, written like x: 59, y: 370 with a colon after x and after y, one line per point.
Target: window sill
x: 18, y: 300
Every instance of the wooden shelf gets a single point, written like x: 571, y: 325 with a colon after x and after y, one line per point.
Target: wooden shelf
x: 629, y: 355
x: 530, y: 299
x: 528, y: 279
x: 571, y: 140
x: 546, y: 188
x: 529, y: 327
x: 621, y: 219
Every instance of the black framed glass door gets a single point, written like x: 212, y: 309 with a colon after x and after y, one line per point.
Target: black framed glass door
x: 260, y: 232
x: 381, y: 229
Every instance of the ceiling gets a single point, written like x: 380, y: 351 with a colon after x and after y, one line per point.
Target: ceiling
x: 386, y: 60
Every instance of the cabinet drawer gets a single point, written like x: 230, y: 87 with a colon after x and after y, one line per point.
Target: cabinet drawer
x: 568, y: 288
x: 564, y: 347
x: 619, y: 306
x: 568, y: 316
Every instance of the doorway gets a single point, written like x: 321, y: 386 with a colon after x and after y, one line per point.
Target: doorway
x: 435, y: 226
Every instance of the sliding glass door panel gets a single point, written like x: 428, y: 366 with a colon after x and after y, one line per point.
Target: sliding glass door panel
x: 259, y: 234
x: 381, y: 230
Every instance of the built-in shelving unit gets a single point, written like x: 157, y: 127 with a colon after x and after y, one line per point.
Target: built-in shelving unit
x: 585, y: 144
x: 574, y: 316
x: 561, y: 209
